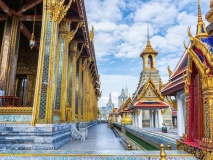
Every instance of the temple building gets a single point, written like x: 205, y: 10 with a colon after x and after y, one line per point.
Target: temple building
x: 147, y: 102
x: 123, y: 96
x: 106, y: 110
x: 48, y: 70
x: 192, y: 83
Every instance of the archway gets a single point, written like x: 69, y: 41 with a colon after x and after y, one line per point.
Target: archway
x: 150, y: 61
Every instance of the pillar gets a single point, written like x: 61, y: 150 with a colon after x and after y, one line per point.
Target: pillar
x: 73, y: 50
x: 156, y: 118
x: 133, y: 118
x: 151, y: 118
x: 160, y: 119
x: 80, y: 91
x: 62, y: 69
x: 44, y: 100
x: 69, y: 89
x: 140, y: 118
x: 84, y: 94
x: 180, y: 112
x: 9, y: 55
x: 136, y: 117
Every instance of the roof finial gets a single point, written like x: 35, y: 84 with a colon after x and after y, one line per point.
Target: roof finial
x: 148, y: 38
x: 91, y: 34
x: 199, y: 12
x: 201, y: 28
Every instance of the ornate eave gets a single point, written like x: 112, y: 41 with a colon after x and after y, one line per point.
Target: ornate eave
x: 148, y: 50
x: 195, y: 42
x: 209, y: 15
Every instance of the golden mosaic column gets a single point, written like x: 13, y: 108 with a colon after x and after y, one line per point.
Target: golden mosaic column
x: 62, y: 67
x: 83, y: 91
x: 80, y: 91
x: 87, y: 95
x: 73, y: 51
x: 44, y: 100
x: 9, y: 55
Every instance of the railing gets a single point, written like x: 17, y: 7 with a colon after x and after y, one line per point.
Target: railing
x: 126, y: 142
x: 10, y: 101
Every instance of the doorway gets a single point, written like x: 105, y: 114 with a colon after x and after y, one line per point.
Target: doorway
x: 21, y: 89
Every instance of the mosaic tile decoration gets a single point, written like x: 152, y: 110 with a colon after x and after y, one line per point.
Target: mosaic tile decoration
x: 96, y: 155
x: 45, y: 68
x: 70, y: 83
x: 76, y: 87
x: 95, y: 158
x: 15, y: 118
x: 59, y: 77
x: 56, y: 118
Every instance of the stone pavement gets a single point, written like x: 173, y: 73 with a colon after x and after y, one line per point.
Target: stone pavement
x: 172, y: 133
x: 99, y: 138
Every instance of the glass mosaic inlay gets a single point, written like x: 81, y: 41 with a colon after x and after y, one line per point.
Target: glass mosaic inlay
x: 60, y: 69
x: 45, y: 68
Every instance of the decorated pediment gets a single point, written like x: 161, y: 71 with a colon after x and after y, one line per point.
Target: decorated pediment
x: 150, y: 91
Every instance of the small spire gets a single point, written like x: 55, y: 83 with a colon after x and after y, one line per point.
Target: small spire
x: 201, y: 28
x: 148, y: 38
x: 148, y: 49
x: 199, y: 12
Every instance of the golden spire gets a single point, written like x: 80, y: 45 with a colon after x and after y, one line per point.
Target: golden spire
x: 201, y: 28
x: 148, y: 38
x: 148, y: 49
x: 199, y: 13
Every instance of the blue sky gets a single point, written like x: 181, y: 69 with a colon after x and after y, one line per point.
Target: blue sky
x: 121, y: 35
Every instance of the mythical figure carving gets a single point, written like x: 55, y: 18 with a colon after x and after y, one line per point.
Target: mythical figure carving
x: 186, y: 86
x: 183, y: 138
x: 170, y: 72
x: 91, y: 34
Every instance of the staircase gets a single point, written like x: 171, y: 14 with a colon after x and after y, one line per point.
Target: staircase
x: 40, y: 137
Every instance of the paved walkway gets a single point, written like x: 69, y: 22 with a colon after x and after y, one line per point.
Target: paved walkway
x: 171, y: 132
x: 99, y: 138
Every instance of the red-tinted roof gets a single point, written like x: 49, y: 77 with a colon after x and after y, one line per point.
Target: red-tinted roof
x: 176, y: 81
x: 150, y: 105
x: 125, y: 111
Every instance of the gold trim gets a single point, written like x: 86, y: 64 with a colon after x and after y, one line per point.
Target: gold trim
x: 16, y: 110
x: 82, y: 155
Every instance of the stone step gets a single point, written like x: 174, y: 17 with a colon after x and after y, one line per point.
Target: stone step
x: 35, y: 146
x: 35, y: 133
x: 33, y: 139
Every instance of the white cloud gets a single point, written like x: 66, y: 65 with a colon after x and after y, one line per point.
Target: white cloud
x: 121, y: 32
